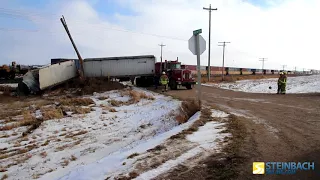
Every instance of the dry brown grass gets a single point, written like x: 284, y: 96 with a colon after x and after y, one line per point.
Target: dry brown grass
x: 81, y: 110
x: 133, y: 155
x: 45, y: 143
x: 28, y: 119
x: 43, y: 154
x: 76, y: 134
x: 77, y: 142
x: 76, y: 109
x: 61, y: 148
x: 16, y: 144
x: 112, y: 110
x: 4, y: 136
x: 5, y: 176
x: 65, y: 163
x: 6, y: 90
x: 115, y: 103
x: 9, y: 114
x: 76, y: 101
x: 101, y: 98
x: 91, y: 85
x: 73, y: 158
x: 51, y: 113
x: 2, y: 169
x: 145, y: 96
x: 135, y: 96
x: 188, y: 108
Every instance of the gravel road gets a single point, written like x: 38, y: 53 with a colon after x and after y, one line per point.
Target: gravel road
x: 280, y: 127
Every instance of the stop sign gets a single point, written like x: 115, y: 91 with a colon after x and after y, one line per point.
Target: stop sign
x: 192, y: 44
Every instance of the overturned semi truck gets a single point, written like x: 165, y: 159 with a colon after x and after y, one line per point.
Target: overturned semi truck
x: 144, y: 70
x: 40, y: 79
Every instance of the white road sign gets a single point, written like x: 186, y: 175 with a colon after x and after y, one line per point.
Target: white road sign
x: 192, y: 44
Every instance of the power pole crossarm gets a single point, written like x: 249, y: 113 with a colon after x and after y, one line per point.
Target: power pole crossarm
x: 209, y: 64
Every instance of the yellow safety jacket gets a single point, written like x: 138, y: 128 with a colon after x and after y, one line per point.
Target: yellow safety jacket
x: 164, y: 80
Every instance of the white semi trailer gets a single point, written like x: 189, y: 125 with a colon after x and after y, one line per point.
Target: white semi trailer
x: 124, y: 68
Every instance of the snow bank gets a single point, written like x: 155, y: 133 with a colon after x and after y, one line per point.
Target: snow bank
x: 114, y: 162
x: 207, y: 138
x: 100, y: 139
x: 300, y: 84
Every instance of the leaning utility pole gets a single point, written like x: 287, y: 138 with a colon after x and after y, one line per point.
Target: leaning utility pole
x: 209, y: 65
x: 224, y: 46
x: 161, y: 45
x: 64, y: 23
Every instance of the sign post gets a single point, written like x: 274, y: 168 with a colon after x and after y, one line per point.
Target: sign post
x: 197, y: 45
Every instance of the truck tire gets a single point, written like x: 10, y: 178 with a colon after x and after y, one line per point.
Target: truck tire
x: 188, y: 86
x: 138, y: 82
x: 173, y: 85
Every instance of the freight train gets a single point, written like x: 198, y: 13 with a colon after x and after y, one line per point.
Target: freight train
x: 217, y: 71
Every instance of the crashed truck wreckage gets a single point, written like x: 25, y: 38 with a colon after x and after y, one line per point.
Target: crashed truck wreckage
x: 37, y: 80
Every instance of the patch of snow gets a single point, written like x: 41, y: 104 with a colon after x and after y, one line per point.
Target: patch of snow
x: 207, y: 138
x: 114, y: 161
x: 299, y: 84
x: 218, y: 113
x: 107, y: 137
x: 3, y: 145
x: 14, y: 85
x: 169, y: 164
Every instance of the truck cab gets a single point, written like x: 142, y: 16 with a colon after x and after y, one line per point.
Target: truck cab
x: 177, y: 75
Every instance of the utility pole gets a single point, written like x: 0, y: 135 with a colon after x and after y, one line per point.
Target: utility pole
x: 263, y: 60
x: 64, y: 23
x: 295, y: 70
x: 224, y: 46
x: 209, y: 65
x: 161, y: 45
x: 283, y: 67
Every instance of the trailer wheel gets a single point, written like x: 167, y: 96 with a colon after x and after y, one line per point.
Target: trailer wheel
x: 188, y: 86
x: 173, y: 85
x: 138, y: 82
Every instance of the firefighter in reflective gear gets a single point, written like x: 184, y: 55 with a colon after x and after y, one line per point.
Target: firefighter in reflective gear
x: 282, y: 82
x: 164, y: 80
x: 279, y: 83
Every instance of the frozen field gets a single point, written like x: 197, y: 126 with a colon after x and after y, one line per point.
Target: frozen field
x: 110, y: 140
x: 300, y: 84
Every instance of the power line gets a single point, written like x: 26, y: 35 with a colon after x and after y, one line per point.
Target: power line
x: 110, y: 28
x: 224, y: 45
x: 209, y: 65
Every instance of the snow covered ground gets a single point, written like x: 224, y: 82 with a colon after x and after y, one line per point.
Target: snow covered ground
x: 58, y: 146
x: 110, y: 141
x: 14, y: 85
x: 300, y: 84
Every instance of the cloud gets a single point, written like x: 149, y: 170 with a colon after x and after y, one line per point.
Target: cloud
x: 286, y: 32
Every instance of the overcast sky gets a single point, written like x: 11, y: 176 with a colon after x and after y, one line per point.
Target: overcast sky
x: 287, y: 32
